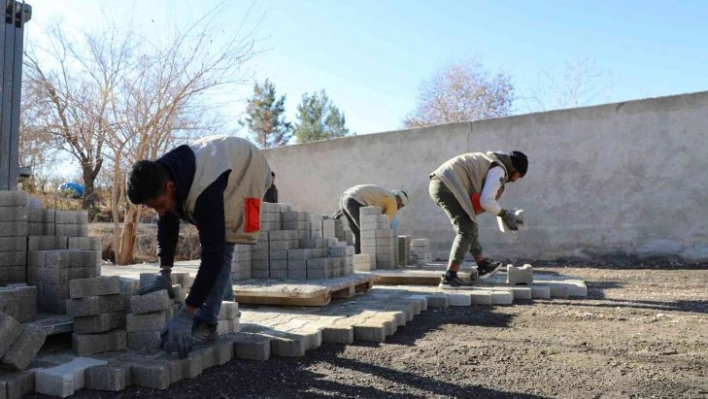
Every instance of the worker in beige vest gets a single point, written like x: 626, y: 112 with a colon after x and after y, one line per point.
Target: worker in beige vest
x: 465, y: 187
x: 216, y: 184
x: 353, y: 198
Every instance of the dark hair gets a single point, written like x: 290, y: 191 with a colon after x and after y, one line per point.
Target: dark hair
x: 146, y: 180
x: 520, y: 162
x: 272, y: 173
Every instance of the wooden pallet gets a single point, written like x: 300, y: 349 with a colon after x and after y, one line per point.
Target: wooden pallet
x: 301, y: 292
x: 411, y: 276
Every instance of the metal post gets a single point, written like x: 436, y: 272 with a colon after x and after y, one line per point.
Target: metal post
x: 11, y: 46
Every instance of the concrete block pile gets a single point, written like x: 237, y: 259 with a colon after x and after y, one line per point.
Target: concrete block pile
x: 13, y: 233
x: 294, y: 245
x: 149, y: 315
x: 364, y: 262
x: 53, y: 270
x: 228, y: 318
x: 98, y: 309
x: 420, y: 249
x: 377, y: 238
x: 19, y: 301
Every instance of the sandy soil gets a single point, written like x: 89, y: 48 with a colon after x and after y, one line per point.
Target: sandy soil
x: 641, y: 333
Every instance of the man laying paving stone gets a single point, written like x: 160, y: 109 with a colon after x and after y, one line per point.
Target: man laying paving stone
x: 215, y: 183
x: 469, y: 185
x: 362, y: 195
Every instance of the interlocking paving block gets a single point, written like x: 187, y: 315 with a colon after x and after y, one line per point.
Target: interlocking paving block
x: 540, y: 291
x: 189, y: 367
x: 338, y: 334
x: 13, y: 244
x: 99, y: 323
x: 283, y: 343
x: 152, y: 302
x: 17, y: 385
x: 13, y: 258
x: 522, y: 292
x: 65, y: 379
x: 42, y: 243
x: 10, y: 330
x: 85, y: 243
x: 218, y: 352
x: 17, y: 228
x: 153, y: 374
x: 437, y: 300
x: 228, y: 326
x: 154, y: 321
x: 558, y: 290
x: 519, y: 275
x: 88, y: 344
x: 115, y: 376
x: 229, y: 310
x: 148, y: 341
x: 25, y: 347
x: 251, y: 346
x: 93, y: 305
x: 422, y: 300
x: 460, y: 299
x: 369, y: 331
x: 13, y: 198
x: 103, y: 285
x: 502, y: 298
x: 481, y: 297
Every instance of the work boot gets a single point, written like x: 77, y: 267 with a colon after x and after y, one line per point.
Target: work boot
x: 487, y: 267
x: 203, y: 333
x: 451, y: 282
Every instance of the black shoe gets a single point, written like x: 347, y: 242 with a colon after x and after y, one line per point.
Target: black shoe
x: 203, y: 333
x: 487, y: 267
x: 452, y: 282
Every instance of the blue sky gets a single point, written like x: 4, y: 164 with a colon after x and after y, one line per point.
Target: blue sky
x: 370, y: 56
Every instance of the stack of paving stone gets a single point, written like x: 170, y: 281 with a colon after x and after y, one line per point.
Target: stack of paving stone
x: 71, y: 223
x: 271, y: 217
x: 98, y: 309
x: 302, y: 246
x: 53, y: 270
x: 377, y: 239
x: 228, y: 318
x: 149, y: 315
x: 40, y: 221
x: 420, y: 249
x: 404, y: 250
x: 241, y: 263
x: 13, y: 232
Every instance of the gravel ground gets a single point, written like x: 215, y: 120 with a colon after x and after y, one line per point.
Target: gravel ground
x: 641, y: 333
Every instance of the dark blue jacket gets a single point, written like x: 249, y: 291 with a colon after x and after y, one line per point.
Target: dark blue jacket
x: 208, y: 217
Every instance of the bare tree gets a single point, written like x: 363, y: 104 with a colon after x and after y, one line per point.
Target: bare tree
x: 121, y: 97
x: 462, y: 92
x: 166, y: 101
x: 577, y: 83
x: 74, y: 82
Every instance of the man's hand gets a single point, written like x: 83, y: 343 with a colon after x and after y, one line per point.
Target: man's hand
x: 508, y: 216
x: 177, y: 335
x: 162, y: 282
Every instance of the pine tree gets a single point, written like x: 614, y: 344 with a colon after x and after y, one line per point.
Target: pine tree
x: 318, y: 119
x: 266, y: 117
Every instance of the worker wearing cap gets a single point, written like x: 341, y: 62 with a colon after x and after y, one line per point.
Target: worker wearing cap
x: 390, y: 201
x: 466, y: 186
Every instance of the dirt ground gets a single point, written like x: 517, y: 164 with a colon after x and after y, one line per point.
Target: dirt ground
x: 641, y: 333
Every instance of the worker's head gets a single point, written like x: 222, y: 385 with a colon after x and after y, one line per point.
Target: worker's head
x: 401, y: 198
x: 272, y: 182
x: 520, y: 163
x: 149, y: 184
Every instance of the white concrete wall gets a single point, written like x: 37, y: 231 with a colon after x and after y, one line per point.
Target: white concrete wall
x: 627, y: 179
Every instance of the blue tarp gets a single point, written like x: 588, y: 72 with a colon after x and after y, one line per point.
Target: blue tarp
x: 76, y: 189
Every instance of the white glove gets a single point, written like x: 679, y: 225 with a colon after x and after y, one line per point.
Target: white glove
x: 511, y: 220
